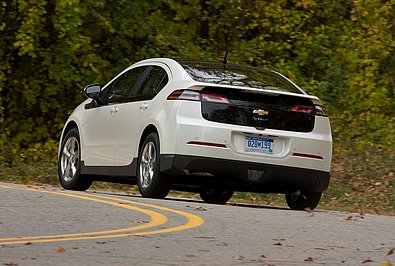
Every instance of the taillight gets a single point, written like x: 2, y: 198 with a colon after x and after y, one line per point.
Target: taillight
x: 319, y: 110
x: 197, y: 96
x: 307, y: 109
x: 184, y: 95
x: 214, y: 98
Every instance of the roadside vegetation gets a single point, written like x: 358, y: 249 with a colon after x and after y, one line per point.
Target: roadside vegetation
x: 341, y: 51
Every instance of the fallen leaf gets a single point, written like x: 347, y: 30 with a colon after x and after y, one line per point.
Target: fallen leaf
x: 11, y: 264
x: 140, y: 222
x: 349, y: 218
x: 387, y: 263
x: 278, y: 244
x: 200, y: 208
x: 309, y: 259
x: 263, y: 256
x: 100, y: 242
x: 392, y: 251
x: 60, y: 249
x: 28, y: 244
x: 366, y: 261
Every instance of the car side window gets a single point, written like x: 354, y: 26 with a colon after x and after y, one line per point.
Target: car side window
x: 119, y: 88
x: 154, y: 82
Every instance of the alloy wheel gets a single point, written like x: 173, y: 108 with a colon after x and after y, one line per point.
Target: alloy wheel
x: 147, y: 164
x: 70, y: 159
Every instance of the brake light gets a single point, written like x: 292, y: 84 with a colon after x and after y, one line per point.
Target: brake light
x: 214, y: 98
x: 184, y: 95
x: 307, y: 109
x: 197, y: 96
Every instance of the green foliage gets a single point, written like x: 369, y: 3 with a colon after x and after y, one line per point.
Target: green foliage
x: 342, y: 51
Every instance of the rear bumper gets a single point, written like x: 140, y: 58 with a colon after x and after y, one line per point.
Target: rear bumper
x: 242, y: 176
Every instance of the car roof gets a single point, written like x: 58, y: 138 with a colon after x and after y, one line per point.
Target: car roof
x: 179, y: 70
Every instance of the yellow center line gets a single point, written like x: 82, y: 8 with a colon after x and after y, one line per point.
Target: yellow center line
x: 1, y: 186
x: 157, y: 219
x: 193, y: 220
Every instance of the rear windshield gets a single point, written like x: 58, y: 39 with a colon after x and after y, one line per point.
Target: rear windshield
x: 237, y: 75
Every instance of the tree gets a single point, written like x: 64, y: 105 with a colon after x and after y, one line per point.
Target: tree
x: 343, y: 51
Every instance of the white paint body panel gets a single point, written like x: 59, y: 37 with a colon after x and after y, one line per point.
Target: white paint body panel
x: 110, y: 138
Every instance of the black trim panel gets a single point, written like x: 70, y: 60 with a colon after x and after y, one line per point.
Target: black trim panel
x: 238, y: 175
x: 244, y: 176
x: 128, y: 170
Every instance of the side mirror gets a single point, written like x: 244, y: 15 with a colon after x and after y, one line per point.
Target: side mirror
x: 93, y: 91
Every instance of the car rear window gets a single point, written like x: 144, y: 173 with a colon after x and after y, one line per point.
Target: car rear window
x: 238, y: 75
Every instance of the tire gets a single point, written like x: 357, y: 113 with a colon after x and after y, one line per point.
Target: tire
x: 215, y: 195
x: 301, y: 200
x: 69, y: 163
x: 150, y: 181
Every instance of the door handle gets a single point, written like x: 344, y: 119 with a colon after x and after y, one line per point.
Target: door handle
x: 144, y: 106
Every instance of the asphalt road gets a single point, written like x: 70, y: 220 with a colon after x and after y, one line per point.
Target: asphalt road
x: 50, y: 226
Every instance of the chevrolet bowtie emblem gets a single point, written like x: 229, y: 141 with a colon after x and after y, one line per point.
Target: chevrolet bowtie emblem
x: 261, y: 112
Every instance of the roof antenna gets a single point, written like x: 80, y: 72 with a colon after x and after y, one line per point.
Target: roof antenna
x: 224, y: 61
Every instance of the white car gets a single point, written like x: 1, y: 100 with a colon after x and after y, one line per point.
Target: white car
x: 208, y: 127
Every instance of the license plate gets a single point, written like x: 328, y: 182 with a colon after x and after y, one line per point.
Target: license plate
x: 258, y: 144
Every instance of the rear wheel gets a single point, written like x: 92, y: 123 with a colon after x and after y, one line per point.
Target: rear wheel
x: 151, y: 183
x: 301, y: 200
x: 215, y: 195
x: 69, y: 163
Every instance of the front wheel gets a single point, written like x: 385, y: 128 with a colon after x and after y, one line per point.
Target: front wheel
x: 215, y: 195
x: 150, y: 181
x: 69, y: 163
x: 301, y: 200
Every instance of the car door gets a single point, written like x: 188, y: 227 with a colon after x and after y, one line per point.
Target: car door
x: 101, y: 125
x: 135, y: 112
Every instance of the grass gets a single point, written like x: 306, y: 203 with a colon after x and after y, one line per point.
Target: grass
x: 360, y: 182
